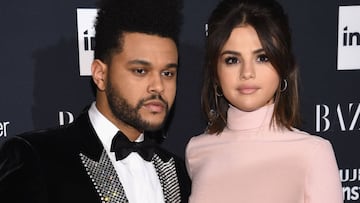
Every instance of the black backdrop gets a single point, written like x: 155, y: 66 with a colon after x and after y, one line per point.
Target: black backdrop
x: 41, y: 85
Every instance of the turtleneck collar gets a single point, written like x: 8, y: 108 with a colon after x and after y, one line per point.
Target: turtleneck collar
x: 242, y: 120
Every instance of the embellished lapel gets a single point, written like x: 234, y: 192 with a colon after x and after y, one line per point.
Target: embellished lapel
x: 168, y: 178
x: 97, y: 163
x: 103, y: 175
x: 104, y: 178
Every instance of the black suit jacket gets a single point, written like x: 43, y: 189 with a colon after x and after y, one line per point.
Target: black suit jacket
x: 69, y: 164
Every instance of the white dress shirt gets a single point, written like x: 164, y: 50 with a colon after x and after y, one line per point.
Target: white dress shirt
x: 137, y: 176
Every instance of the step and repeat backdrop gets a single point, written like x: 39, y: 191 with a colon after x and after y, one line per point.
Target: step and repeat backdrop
x: 46, y: 49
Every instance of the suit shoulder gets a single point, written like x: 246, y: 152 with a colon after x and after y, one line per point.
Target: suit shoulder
x: 15, y: 152
x: 12, y: 144
x: 55, y: 135
x: 19, y: 148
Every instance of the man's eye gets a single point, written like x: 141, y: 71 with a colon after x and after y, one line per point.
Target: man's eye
x: 262, y: 58
x: 139, y: 71
x: 168, y: 73
x: 231, y: 60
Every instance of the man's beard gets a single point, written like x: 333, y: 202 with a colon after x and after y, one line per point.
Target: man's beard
x: 123, y: 111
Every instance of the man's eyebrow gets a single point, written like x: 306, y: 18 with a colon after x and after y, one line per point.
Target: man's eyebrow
x: 147, y: 63
x: 172, y: 65
x: 139, y: 62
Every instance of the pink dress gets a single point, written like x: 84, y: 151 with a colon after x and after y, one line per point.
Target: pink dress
x: 250, y: 162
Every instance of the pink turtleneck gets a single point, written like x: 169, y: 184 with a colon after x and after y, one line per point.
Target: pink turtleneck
x: 249, y: 162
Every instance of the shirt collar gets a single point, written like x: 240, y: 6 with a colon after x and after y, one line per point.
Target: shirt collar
x: 104, y: 128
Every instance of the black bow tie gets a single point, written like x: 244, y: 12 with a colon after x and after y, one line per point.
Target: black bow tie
x: 122, y: 147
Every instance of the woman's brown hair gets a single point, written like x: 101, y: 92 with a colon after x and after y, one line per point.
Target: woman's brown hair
x: 271, y: 24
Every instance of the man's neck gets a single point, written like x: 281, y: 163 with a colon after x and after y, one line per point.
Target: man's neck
x: 129, y: 131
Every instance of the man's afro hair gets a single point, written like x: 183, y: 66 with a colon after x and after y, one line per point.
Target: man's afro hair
x: 157, y: 17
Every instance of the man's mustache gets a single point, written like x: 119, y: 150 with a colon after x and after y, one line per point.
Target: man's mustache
x: 153, y: 97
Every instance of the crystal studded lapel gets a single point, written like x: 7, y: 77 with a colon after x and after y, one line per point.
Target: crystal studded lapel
x: 109, y: 188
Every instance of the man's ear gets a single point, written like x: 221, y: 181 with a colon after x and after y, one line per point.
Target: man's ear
x: 98, y: 71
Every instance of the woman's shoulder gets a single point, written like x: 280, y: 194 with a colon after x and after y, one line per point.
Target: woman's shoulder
x: 307, y: 138
x: 202, y: 138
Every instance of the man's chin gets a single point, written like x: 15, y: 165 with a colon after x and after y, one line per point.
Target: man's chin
x: 153, y: 127
x: 154, y: 123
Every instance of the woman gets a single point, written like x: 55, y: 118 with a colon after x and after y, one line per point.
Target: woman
x: 251, y: 152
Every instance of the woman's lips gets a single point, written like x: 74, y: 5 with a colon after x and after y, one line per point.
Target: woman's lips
x: 247, y: 89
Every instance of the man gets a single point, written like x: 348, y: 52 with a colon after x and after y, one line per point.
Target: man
x: 106, y: 155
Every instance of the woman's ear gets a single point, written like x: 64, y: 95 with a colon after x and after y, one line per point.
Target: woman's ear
x: 98, y: 71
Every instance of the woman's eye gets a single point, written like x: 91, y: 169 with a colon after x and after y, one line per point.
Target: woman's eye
x: 262, y: 58
x: 231, y: 60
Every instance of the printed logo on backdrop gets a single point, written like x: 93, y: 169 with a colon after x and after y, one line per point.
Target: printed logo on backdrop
x: 4, y: 125
x: 65, y: 117
x: 350, y: 179
x: 338, y: 117
x: 86, y: 37
x: 349, y: 38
